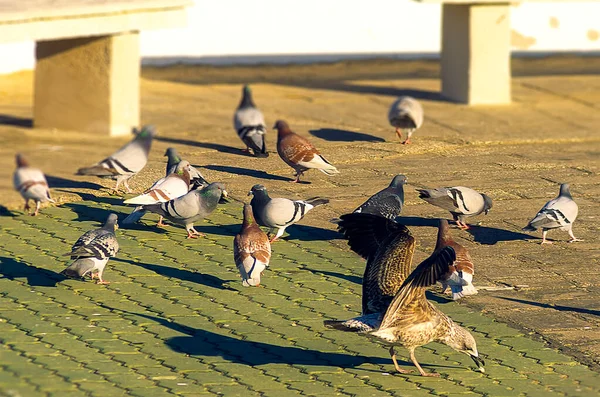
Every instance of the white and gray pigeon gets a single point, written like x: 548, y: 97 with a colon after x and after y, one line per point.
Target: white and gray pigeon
x: 461, y: 201
x: 125, y: 162
x: 279, y: 213
x: 250, y: 126
x: 406, y: 113
x: 558, y: 213
x: 196, y: 178
x: 388, y: 202
x: 31, y: 184
x: 93, y: 250
x: 174, y: 185
x: 191, y: 207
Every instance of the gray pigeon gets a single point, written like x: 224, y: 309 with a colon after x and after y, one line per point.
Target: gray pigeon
x: 406, y: 113
x: 31, y: 183
x: 279, y: 213
x: 250, y: 126
x: 93, y: 250
x: 459, y: 200
x: 191, y: 207
x: 125, y: 162
x: 196, y: 178
x: 558, y: 213
x: 388, y: 202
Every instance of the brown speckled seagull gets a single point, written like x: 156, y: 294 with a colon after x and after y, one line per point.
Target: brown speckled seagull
x: 412, y: 321
x: 388, y: 248
x: 461, y: 279
x: 299, y: 153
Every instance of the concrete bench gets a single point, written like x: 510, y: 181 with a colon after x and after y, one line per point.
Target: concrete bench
x: 476, y: 50
x: 87, y: 57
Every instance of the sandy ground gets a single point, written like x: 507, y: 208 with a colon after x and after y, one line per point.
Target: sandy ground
x: 517, y: 154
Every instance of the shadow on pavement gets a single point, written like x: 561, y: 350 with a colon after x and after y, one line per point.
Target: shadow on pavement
x: 247, y: 172
x: 11, y: 269
x: 347, y: 277
x: 205, y: 145
x: 58, y: 182
x: 182, y: 274
x: 6, y: 119
x: 333, y: 134
x: 491, y: 235
x: 418, y: 221
x: 6, y: 212
x: 310, y: 233
x: 555, y: 307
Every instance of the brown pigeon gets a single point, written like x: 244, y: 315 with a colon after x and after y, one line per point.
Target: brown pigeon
x: 299, y: 153
x: 251, y: 250
x: 461, y: 279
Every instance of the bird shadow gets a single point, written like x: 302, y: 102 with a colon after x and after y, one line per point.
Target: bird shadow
x: 333, y: 134
x: 206, y: 145
x: 555, y: 307
x: 222, y: 230
x: 182, y: 274
x: 6, y: 212
x: 26, y: 122
x: 417, y: 221
x: 311, y: 233
x: 58, y: 182
x: 112, y: 201
x: 247, y: 172
x: 348, y: 277
x: 491, y: 235
x: 89, y: 213
x: 12, y: 269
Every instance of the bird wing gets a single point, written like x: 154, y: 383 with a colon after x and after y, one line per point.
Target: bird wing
x: 412, y: 292
x: 366, y: 233
x: 389, y: 206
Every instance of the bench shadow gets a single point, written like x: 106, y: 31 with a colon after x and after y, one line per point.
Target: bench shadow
x: 334, y: 134
x: 247, y: 172
x: 491, y: 235
x: 183, y: 274
x: 12, y: 269
x: 58, y: 182
x: 206, y: 145
x: 15, y: 121
x: 555, y: 307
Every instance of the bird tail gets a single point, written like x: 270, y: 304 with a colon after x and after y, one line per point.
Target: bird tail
x: 79, y: 268
x: 460, y: 291
x: 135, y: 216
x: 424, y: 193
x: 339, y: 325
x: 152, y: 197
x: 529, y: 228
x: 316, y: 201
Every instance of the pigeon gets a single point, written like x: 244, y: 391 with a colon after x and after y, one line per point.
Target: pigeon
x: 412, y: 321
x: 191, y: 207
x: 461, y: 279
x: 251, y: 250
x: 31, y: 184
x: 388, y: 202
x: 460, y: 201
x: 279, y: 213
x: 558, y: 213
x: 250, y: 126
x: 406, y: 113
x: 388, y: 248
x: 93, y: 250
x: 299, y: 153
x: 196, y: 178
x: 125, y: 162
x: 170, y: 187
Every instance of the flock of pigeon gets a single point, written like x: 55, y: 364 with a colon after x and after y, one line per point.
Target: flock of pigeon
x: 394, y: 307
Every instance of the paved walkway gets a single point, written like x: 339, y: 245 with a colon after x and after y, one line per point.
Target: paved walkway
x: 175, y: 320
x: 171, y: 297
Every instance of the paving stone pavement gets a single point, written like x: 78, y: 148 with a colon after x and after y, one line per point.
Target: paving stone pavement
x: 175, y: 320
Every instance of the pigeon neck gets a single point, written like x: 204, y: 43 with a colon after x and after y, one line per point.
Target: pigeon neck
x: 564, y: 191
x: 247, y: 101
x: 173, y: 160
x: 248, y: 217
x: 443, y: 236
x: 284, y: 131
x: 21, y: 161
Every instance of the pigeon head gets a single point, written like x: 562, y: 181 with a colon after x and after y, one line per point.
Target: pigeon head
x: 487, y: 203
x: 257, y: 189
x: 182, y: 166
x: 215, y: 189
x: 21, y: 161
x: 282, y: 127
x: 171, y: 153
x: 399, y: 180
x: 111, y: 222
x: 564, y: 190
x: 247, y: 100
x: 462, y: 341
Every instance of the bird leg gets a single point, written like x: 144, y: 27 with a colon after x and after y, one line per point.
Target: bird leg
x: 423, y: 373
x: 247, y: 150
x: 37, y: 208
x: 161, y: 223
x: 193, y: 233
x: 573, y: 238
x: 407, y: 141
x: 127, y: 186
x: 27, y: 207
x: 462, y: 225
x: 544, y: 241
x: 399, y: 133
x: 400, y: 370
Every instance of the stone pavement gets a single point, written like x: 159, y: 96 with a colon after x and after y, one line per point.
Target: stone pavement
x: 517, y: 154
x: 175, y: 320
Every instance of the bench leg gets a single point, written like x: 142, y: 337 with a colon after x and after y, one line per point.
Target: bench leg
x: 476, y: 53
x: 89, y: 84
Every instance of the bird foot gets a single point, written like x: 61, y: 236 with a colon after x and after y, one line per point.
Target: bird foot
x: 430, y: 374
x: 273, y: 239
x: 161, y: 224
x: 247, y: 150
x: 573, y: 240
x: 192, y: 236
x: 545, y: 242
x: 103, y: 282
x: 404, y: 371
x: 406, y: 142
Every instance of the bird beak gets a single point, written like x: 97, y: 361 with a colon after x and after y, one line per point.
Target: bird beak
x: 224, y: 193
x: 486, y: 211
x: 479, y: 362
x: 116, y: 226
x: 250, y: 193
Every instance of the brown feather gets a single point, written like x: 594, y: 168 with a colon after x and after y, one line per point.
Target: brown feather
x: 463, y: 259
